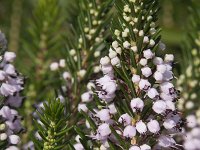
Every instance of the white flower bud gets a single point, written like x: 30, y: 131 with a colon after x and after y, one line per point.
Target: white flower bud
x: 86, y: 97
x: 152, y: 93
x: 141, y: 127
x: 169, y: 58
x: 124, y: 34
x: 3, y: 136
x: 189, y: 105
x: 12, y: 148
x: 62, y: 63
x: 78, y: 146
x: 143, y: 62
x: 145, y: 147
x: 112, y: 54
x: 90, y: 86
x: 135, y: 78
x: 104, y: 115
x: 118, y: 50
x: 134, y: 49
x: 134, y: 148
x: 159, y: 107
x: 158, y: 76
x: 14, y: 139
x: 97, y: 69
x: 129, y: 131
x: 148, y: 54
x: 166, y: 87
x: 153, y: 126
x: 54, y: 66
x: 125, y: 119
x: 146, y: 71
x: 115, y: 61
x: 9, y: 56
x: 72, y: 52
x: 117, y: 33
x: 144, y: 84
x: 105, y: 61
x: 126, y: 45
x: 81, y: 73
x: 97, y: 54
x: 82, y: 107
x: 146, y: 39
x: 104, y: 130
x: 137, y: 104
x: 66, y: 75
x: 141, y: 33
x: 135, y: 30
x: 152, y: 43
x: 115, y: 44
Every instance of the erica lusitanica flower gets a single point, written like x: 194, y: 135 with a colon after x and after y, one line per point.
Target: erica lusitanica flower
x: 11, y: 86
x: 135, y: 98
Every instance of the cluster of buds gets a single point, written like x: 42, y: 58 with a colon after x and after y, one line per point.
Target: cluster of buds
x: 12, y: 83
x: 137, y: 108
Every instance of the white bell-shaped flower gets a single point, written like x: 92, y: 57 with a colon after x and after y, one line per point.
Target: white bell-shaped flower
x: 9, y: 56
x: 148, y: 54
x: 145, y: 147
x: 104, y: 114
x: 125, y: 119
x: 152, y: 93
x: 169, y: 58
x: 14, y: 139
x: 135, y: 78
x: 143, y: 62
x: 129, y: 131
x: 86, y: 97
x: 137, y: 104
x: 134, y: 148
x: 153, y: 126
x: 105, y: 61
x: 141, y: 127
x: 104, y: 130
x: 54, y: 66
x: 144, y: 84
x: 146, y: 71
x: 159, y: 107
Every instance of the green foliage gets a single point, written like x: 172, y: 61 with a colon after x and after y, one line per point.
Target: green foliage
x: 45, y: 36
x: 51, y: 126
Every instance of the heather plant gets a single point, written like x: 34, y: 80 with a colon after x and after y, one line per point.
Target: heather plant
x: 135, y: 99
x: 12, y: 83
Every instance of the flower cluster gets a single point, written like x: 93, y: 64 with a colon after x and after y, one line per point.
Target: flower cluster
x: 137, y: 97
x: 11, y: 85
x: 10, y: 127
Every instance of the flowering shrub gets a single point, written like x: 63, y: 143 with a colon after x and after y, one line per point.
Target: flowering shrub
x: 113, y: 79
x: 11, y: 86
x: 136, y: 97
